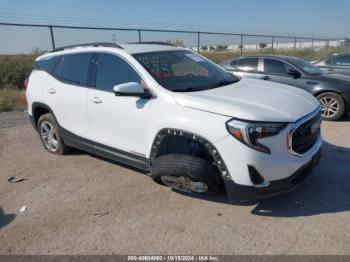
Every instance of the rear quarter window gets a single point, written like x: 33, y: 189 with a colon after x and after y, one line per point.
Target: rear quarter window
x: 46, y: 64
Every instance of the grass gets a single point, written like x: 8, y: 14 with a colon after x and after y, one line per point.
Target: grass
x: 12, y: 99
x: 13, y: 71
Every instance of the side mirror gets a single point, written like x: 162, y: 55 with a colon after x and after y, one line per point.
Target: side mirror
x: 131, y: 89
x: 294, y: 73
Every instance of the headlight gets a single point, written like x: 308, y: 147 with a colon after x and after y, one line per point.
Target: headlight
x: 249, y: 133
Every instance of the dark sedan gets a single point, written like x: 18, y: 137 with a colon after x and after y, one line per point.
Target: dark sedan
x: 333, y: 91
x: 338, y: 63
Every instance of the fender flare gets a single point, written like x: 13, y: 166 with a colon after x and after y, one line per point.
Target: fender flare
x: 34, y: 119
x: 165, y: 132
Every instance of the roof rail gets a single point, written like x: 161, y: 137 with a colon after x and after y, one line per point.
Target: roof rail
x: 105, y: 44
x: 154, y: 43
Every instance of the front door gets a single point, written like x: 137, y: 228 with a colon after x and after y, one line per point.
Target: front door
x: 275, y: 70
x: 119, y: 124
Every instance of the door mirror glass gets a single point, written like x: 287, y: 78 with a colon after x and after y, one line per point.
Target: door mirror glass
x: 131, y: 89
x: 294, y: 73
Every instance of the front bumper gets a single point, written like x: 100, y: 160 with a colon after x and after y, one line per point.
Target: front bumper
x: 241, y: 193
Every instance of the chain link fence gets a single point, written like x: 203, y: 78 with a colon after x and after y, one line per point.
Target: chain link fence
x: 33, y: 39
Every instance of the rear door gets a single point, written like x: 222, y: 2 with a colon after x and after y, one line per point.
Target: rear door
x: 66, y: 91
x: 248, y: 67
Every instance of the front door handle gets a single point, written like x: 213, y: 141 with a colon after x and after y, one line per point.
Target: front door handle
x: 96, y: 100
x: 52, y: 91
x: 266, y: 78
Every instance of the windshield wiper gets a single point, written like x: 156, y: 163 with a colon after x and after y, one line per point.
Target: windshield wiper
x: 186, y: 89
x: 224, y: 83
x: 218, y: 84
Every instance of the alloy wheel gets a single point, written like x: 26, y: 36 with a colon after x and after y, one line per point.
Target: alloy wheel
x: 49, y: 136
x: 330, y: 106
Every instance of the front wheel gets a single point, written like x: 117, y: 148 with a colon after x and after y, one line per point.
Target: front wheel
x: 333, y: 106
x: 186, y: 173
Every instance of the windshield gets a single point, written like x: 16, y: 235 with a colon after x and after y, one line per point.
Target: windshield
x: 184, y: 71
x: 307, y: 67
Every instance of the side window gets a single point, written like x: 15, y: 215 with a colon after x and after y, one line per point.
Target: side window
x: 339, y: 61
x: 275, y: 66
x: 112, y: 70
x: 247, y: 64
x: 47, y: 64
x: 75, y: 68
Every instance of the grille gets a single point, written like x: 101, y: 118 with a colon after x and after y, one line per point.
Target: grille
x: 306, y: 135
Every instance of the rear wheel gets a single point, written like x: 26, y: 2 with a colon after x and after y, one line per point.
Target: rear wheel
x: 50, y: 136
x: 186, y: 173
x: 333, y: 106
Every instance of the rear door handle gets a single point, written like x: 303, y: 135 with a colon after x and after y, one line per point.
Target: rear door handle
x: 96, y: 100
x: 266, y: 78
x: 52, y: 91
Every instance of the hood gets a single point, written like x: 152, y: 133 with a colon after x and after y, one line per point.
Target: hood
x: 252, y: 99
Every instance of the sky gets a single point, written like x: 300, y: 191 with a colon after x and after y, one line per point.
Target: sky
x: 321, y: 18
x: 318, y: 18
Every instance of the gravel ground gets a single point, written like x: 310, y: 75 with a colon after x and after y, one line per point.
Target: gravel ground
x: 11, y: 119
x: 81, y: 204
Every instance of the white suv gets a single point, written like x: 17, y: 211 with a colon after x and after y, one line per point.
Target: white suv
x: 176, y: 115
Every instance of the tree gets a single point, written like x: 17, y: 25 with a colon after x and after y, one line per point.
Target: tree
x: 221, y: 47
x: 262, y: 45
x: 37, y: 51
x: 204, y: 48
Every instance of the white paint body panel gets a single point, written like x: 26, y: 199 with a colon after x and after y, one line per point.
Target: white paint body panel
x: 253, y: 100
x: 68, y: 102
x: 119, y: 122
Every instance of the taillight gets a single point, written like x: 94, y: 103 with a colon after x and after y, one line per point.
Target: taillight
x: 26, y: 81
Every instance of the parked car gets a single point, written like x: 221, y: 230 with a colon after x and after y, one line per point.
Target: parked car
x: 338, y: 63
x: 177, y: 116
x: 333, y: 91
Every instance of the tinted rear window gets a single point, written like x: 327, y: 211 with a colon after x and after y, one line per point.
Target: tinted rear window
x: 246, y: 64
x: 75, y: 68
